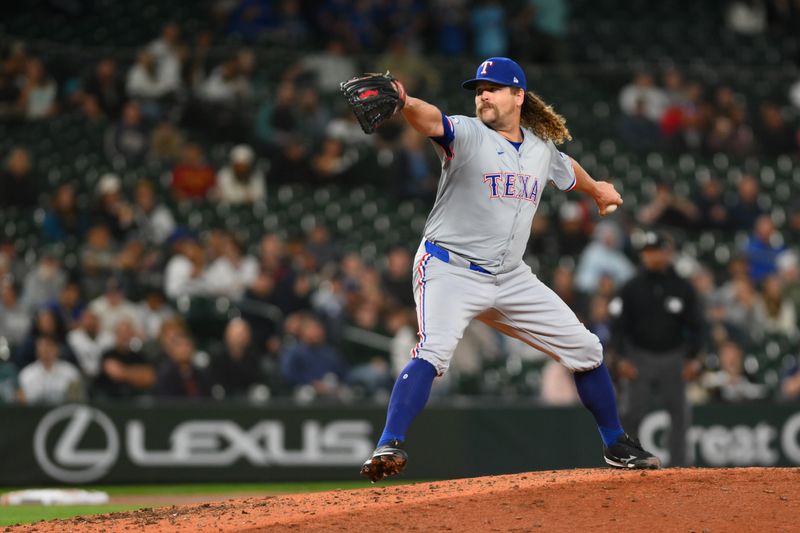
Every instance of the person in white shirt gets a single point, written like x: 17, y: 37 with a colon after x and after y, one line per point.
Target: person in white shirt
x: 113, y: 306
x: 232, y: 272
x: 184, y: 273
x: 643, y: 90
x: 88, y: 343
x: 48, y: 380
x: 241, y: 181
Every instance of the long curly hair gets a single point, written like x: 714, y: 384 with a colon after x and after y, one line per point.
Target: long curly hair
x: 543, y: 120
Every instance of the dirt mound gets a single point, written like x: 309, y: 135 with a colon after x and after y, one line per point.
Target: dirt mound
x: 745, y: 499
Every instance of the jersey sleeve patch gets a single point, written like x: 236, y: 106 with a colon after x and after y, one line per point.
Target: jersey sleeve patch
x: 446, y: 140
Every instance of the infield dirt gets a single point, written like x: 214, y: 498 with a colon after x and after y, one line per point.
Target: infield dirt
x: 699, y: 500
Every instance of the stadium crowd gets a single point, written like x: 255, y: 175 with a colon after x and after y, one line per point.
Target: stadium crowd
x: 307, y: 317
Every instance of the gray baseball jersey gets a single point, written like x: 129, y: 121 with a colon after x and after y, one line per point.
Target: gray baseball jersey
x: 469, y: 263
x: 489, y: 192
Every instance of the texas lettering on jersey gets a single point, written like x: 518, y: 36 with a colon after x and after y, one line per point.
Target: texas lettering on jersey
x: 512, y: 185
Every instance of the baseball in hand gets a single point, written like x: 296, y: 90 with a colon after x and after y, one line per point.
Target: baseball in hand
x: 611, y: 208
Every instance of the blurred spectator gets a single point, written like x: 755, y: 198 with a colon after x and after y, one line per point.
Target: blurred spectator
x: 730, y: 133
x: 153, y: 310
x: 489, y: 29
x: 602, y: 256
x: 571, y: 235
x: 449, y: 28
x: 88, y: 343
x: 563, y: 284
x: 97, y: 261
x: 106, y: 88
x: 14, y: 320
x: 198, y: 63
x: 69, y: 305
x: 227, y: 85
x: 789, y: 272
x: 183, y: 275
x: 166, y: 143
x: 49, y: 380
x: 259, y: 311
x: 11, y: 264
x: 18, y: 184
x: 763, y: 248
x: 192, y: 177
x: 237, y: 367
x: 38, y: 92
x: 774, y: 136
x: 331, y: 164
x: 45, y: 323
x: 124, y: 370
x: 668, y: 208
x: 289, y: 27
x: 168, y: 52
x: 396, y: 278
x: 44, y: 282
x: 319, y: 247
x: 311, y: 117
x: 712, y: 213
x: 414, y: 70
x: 311, y: 362
x: 153, y: 221
x: 637, y: 130
x: 136, y: 266
x: 247, y: 19
x: 740, y: 305
x: 241, y: 181
x: 111, y: 209
x: 747, y: 17
x: 127, y: 139
x: 329, y: 67
x: 366, y: 357
x: 775, y: 310
x: 730, y: 383
x: 232, y: 272
x: 745, y: 209
x: 179, y: 377
x: 64, y: 220
x: 546, y: 22
x: 642, y: 97
x: 113, y: 307
x: 146, y: 84
x: 599, y: 319
x: 416, y: 172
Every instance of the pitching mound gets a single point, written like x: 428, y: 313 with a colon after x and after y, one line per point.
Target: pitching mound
x: 747, y: 499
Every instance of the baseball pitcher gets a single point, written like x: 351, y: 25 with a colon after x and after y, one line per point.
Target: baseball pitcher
x: 495, y: 167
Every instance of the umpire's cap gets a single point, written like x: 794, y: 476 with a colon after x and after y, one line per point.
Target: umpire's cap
x: 500, y: 70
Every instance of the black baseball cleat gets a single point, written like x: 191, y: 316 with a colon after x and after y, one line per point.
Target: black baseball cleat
x: 627, y: 452
x: 387, y: 460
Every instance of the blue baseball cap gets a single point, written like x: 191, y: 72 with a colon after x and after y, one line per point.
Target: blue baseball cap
x: 500, y: 70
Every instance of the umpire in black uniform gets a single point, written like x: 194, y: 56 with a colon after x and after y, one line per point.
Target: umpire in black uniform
x: 658, y: 331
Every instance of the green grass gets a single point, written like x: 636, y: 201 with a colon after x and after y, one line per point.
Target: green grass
x: 23, y: 514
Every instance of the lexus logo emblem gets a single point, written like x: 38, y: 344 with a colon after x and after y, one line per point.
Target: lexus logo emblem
x: 68, y: 463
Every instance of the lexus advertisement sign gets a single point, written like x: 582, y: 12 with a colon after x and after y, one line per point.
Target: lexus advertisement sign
x: 77, y: 443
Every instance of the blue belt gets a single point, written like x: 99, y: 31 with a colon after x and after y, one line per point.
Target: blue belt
x: 449, y: 257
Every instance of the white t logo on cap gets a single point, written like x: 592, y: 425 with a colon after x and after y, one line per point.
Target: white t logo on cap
x: 486, y: 65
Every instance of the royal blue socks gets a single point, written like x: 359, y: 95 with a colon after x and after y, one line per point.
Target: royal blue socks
x: 409, y: 396
x: 597, y: 394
